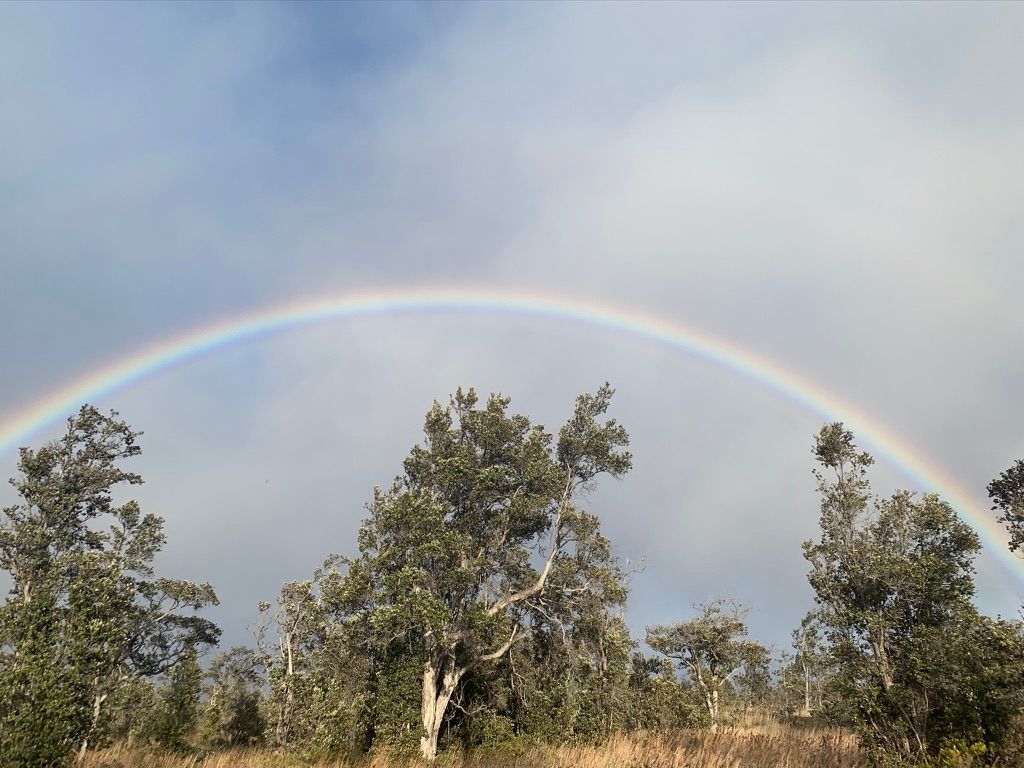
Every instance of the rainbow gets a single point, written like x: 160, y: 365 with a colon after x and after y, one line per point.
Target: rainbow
x: 198, y: 341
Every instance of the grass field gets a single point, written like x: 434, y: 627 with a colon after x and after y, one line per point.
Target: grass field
x: 767, y: 746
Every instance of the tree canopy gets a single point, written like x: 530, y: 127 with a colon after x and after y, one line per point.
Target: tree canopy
x: 87, y: 612
x: 482, y: 533
x: 711, y: 648
x: 894, y: 582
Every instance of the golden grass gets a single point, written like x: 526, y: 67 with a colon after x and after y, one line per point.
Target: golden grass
x: 760, y: 746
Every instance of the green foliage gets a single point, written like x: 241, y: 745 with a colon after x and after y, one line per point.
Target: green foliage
x: 973, y: 669
x: 958, y: 754
x: 86, y: 613
x: 803, y: 676
x: 712, y: 649
x: 489, y: 730
x: 177, y: 715
x: 396, y: 710
x: 658, y: 701
x: 1007, y: 495
x: 319, y: 672
x: 916, y: 667
x: 484, y: 611
x: 569, y: 682
x: 129, y: 713
x: 44, y: 701
x: 446, y: 564
x: 233, y: 716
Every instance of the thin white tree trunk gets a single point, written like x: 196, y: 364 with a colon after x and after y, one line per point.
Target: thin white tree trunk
x: 97, y: 704
x: 807, y: 688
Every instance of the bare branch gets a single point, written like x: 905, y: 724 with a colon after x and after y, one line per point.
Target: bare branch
x: 494, y: 656
x: 554, y: 549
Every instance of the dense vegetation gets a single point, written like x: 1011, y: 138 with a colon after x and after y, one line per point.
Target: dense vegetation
x: 482, y: 613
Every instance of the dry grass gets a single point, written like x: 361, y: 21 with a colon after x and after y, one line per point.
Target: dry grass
x: 760, y: 746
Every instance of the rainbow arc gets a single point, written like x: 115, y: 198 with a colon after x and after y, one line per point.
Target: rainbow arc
x: 193, y: 343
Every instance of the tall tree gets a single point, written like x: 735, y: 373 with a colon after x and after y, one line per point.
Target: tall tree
x: 1007, y: 495
x: 86, y: 612
x: 480, y: 532
x: 894, y: 580
x: 712, y: 649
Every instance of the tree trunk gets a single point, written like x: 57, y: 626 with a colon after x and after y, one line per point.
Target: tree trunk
x: 440, y: 679
x: 709, y: 692
x: 807, y: 688
x: 97, y: 704
x: 284, y: 710
x: 882, y: 661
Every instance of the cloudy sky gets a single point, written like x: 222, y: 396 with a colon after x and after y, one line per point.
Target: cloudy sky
x: 837, y: 187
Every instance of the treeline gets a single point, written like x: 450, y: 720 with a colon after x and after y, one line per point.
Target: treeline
x: 484, y: 608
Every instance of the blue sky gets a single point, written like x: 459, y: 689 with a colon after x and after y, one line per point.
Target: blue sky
x: 836, y: 186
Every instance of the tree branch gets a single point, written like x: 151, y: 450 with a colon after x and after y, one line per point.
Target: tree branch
x: 555, y: 547
x: 495, y: 655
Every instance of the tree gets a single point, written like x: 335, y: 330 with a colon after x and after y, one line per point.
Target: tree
x: 810, y: 661
x: 658, y: 702
x: 297, y: 619
x: 178, y: 713
x: 569, y: 679
x: 1007, y: 495
x: 129, y: 713
x: 318, y: 668
x: 968, y: 686
x: 711, y: 648
x: 232, y: 717
x: 894, y: 580
x: 86, y: 612
x: 752, y: 685
x: 479, y: 533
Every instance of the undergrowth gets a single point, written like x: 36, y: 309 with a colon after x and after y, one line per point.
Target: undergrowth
x: 769, y: 746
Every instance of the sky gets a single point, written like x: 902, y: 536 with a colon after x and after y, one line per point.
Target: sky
x: 835, y: 187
